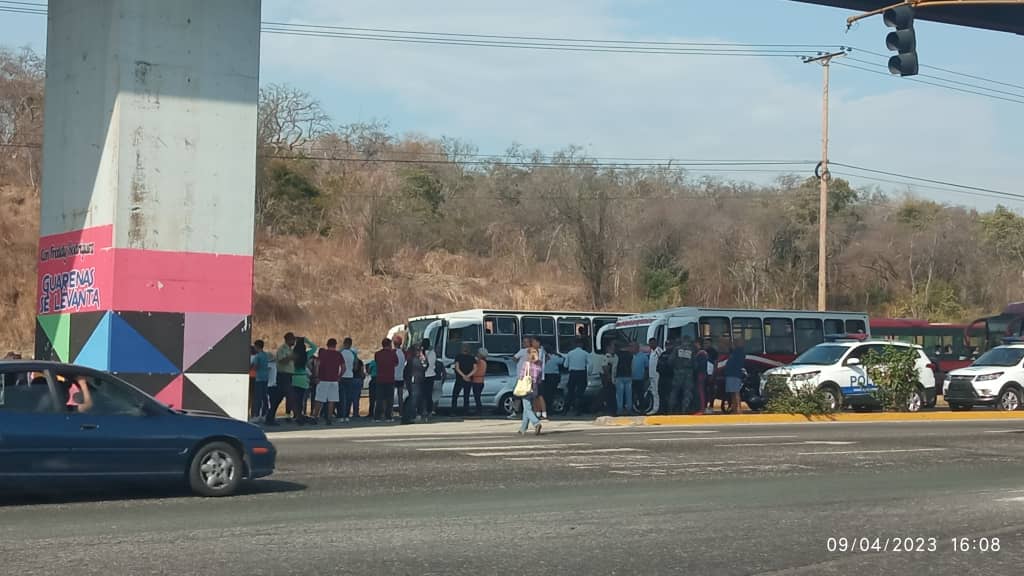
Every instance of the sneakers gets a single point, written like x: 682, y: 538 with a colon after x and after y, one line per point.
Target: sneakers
x: 537, y: 429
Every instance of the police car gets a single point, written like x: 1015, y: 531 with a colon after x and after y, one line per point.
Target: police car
x: 836, y: 369
x: 994, y: 379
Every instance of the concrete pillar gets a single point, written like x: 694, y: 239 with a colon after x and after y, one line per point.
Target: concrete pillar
x: 149, y: 152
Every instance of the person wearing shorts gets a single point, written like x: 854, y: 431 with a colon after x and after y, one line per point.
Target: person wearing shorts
x: 329, y: 366
x: 734, y: 374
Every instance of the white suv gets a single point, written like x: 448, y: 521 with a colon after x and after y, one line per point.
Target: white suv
x: 994, y: 379
x: 835, y: 368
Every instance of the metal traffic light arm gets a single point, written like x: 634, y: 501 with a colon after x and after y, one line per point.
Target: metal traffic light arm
x: 919, y: 4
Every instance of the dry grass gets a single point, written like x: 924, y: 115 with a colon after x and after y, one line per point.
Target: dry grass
x: 19, y: 237
x: 318, y: 287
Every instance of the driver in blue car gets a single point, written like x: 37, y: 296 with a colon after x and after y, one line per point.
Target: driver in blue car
x: 79, y: 395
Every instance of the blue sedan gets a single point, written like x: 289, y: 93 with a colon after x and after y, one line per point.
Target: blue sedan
x: 61, y: 422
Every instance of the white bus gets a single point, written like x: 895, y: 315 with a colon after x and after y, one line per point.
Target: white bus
x: 501, y: 331
x: 773, y: 337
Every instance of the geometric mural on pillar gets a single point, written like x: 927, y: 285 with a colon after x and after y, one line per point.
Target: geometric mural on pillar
x: 189, y: 361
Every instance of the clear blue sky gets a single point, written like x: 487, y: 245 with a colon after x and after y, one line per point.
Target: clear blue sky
x: 653, y: 106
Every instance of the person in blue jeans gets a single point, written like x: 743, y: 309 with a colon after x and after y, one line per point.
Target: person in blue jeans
x: 260, y: 363
x: 533, y: 368
x: 624, y: 382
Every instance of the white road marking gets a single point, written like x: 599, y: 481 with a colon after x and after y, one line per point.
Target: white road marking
x: 784, y: 444
x: 561, y: 453
x: 485, y: 447
x: 1015, y: 499
x: 450, y: 438
x: 870, y: 451
x: 652, y: 432
x: 1002, y: 431
x: 721, y: 438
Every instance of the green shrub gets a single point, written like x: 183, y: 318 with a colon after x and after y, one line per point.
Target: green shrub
x: 804, y: 400
x: 894, y: 372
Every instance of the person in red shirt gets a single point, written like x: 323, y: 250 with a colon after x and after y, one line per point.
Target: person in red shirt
x: 329, y: 363
x: 387, y: 364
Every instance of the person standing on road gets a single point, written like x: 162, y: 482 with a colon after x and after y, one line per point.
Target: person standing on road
x: 734, y: 374
x: 386, y: 362
x: 641, y: 367
x: 577, y: 361
x: 301, y: 353
x: 429, y: 358
x: 552, y: 377
x: 710, y: 388
x: 328, y: 364
x: 284, y: 360
x: 700, y: 376
x: 401, y: 370
x: 371, y: 373
x: 624, y: 381
x: 666, y: 375
x: 464, y: 366
x: 351, y: 390
x: 477, y: 378
x: 260, y: 364
x: 534, y: 369
x: 653, y: 375
x: 682, y: 379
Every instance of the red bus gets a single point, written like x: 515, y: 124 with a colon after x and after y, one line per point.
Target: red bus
x: 950, y: 346
x: 993, y: 329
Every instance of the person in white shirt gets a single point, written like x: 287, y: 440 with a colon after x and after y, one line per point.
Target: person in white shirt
x: 577, y: 361
x: 351, y: 388
x: 652, y: 374
x: 399, y: 374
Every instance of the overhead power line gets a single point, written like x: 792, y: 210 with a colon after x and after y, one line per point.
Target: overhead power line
x: 936, y: 84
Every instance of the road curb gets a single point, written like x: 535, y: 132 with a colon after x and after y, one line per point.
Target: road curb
x: 721, y: 419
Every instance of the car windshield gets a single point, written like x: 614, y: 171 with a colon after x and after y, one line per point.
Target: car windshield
x: 821, y: 355
x: 1000, y: 357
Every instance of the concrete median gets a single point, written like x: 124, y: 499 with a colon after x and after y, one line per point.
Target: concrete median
x: 724, y: 419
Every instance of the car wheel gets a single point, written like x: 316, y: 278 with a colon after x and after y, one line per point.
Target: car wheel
x: 643, y: 403
x: 216, y: 470
x: 507, y: 405
x: 557, y: 405
x: 960, y: 407
x: 916, y: 401
x: 833, y: 397
x: 1009, y: 399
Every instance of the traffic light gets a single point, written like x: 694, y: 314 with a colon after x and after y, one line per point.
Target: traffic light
x: 903, y: 40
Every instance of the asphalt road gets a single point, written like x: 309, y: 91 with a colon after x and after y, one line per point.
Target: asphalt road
x: 473, y: 499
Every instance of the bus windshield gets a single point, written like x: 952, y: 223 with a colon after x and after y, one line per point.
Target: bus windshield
x: 1000, y: 357
x: 417, y: 329
x: 821, y: 355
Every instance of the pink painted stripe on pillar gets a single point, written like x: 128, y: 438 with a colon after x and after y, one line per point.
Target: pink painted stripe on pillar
x: 161, y: 281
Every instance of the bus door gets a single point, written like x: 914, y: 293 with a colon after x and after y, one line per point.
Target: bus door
x: 571, y: 328
x: 501, y: 334
x: 435, y: 333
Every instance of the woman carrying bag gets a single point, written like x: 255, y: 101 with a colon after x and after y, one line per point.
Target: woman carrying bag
x: 528, y: 389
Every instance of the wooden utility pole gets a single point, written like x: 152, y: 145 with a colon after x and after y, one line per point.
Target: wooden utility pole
x: 823, y: 178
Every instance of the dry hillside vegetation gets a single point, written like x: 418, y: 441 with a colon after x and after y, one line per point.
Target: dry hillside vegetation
x: 359, y: 228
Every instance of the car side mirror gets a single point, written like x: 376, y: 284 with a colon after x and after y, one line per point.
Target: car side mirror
x: 853, y: 362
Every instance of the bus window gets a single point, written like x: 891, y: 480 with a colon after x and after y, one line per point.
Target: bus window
x: 778, y: 336
x: 599, y: 322
x: 715, y: 328
x: 464, y: 335
x: 501, y: 334
x: 659, y: 336
x: 856, y: 327
x: 543, y: 327
x: 835, y: 327
x: 680, y: 333
x: 751, y: 331
x: 569, y: 329
x: 808, y: 334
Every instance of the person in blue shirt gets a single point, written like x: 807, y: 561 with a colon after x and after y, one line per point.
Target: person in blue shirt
x: 734, y: 373
x: 641, y: 365
x: 260, y: 363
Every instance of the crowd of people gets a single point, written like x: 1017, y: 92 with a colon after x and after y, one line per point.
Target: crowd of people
x: 325, y: 384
